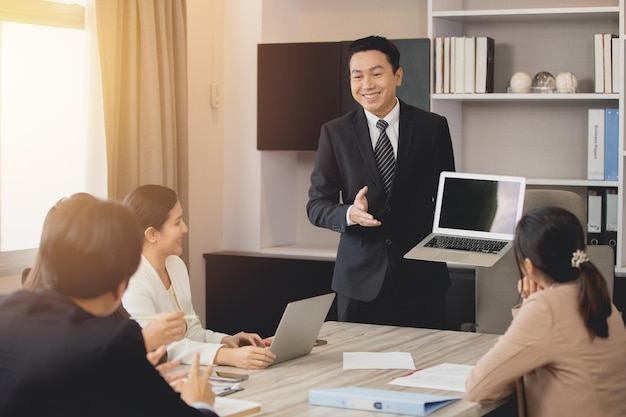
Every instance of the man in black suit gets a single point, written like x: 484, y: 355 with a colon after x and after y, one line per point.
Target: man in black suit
x: 382, y: 212
x: 59, y: 352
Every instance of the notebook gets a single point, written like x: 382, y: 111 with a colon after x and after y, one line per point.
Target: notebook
x: 475, y: 219
x: 299, y: 326
x: 231, y: 407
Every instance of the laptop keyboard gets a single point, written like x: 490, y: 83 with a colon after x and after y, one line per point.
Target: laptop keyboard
x: 466, y: 244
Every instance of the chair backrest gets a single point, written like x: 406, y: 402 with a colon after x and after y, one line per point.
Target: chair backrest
x: 568, y: 200
x: 603, y: 257
x: 496, y: 286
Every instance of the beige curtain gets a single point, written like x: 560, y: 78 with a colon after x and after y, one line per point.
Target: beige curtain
x: 143, y: 55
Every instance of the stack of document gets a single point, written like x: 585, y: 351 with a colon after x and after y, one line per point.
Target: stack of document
x: 445, y: 376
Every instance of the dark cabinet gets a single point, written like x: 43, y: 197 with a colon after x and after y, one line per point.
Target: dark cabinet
x: 249, y: 292
x: 298, y: 91
x: 303, y: 85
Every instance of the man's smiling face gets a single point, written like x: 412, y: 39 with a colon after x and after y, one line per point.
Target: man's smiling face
x: 373, y: 82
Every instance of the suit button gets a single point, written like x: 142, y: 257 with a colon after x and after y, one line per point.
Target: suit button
x: 388, y: 241
x: 387, y: 209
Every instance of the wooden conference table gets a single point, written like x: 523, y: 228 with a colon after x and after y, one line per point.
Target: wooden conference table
x: 283, y: 388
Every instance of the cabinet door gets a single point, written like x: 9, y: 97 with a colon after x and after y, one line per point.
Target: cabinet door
x: 298, y: 85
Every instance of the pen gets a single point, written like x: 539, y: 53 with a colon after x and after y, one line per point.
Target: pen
x: 228, y: 392
x: 186, y: 317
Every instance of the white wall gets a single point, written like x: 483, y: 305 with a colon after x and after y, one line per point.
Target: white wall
x: 205, y: 26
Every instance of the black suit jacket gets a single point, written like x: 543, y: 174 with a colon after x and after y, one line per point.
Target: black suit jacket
x: 344, y: 163
x: 56, y: 359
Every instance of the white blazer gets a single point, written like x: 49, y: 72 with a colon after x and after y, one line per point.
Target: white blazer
x: 147, y: 296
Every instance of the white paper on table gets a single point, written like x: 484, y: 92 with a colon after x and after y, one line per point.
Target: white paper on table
x: 447, y: 376
x: 378, y: 360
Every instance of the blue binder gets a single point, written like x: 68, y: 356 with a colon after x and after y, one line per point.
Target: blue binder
x: 379, y: 400
x: 611, y: 144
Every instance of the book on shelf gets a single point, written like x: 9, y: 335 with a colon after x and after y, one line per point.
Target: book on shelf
x: 464, y: 64
x: 234, y: 407
x: 446, y: 64
x: 459, y: 65
x: 602, y: 217
x: 595, y: 210
x: 470, y: 65
x: 610, y: 219
x: 606, y: 67
x: 615, y: 54
x: 595, y: 141
x: 611, y: 144
x: 452, y: 63
x: 607, y: 45
x: 598, y: 62
x: 485, y: 54
x: 438, y: 65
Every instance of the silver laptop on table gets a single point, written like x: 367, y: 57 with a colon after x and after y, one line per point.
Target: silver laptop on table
x: 475, y: 219
x: 300, y: 326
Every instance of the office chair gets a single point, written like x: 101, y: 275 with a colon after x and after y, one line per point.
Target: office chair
x: 496, y: 286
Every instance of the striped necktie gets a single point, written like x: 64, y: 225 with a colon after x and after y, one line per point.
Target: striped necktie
x: 383, y: 152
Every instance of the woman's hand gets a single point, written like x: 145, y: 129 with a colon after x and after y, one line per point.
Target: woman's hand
x: 246, y: 357
x: 197, y: 387
x: 167, y: 327
x: 526, y: 287
x: 243, y: 339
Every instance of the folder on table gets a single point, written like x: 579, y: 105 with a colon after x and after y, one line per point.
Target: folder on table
x: 379, y: 400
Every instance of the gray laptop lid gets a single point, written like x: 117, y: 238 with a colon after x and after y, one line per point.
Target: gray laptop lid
x: 299, y: 327
x: 478, y: 206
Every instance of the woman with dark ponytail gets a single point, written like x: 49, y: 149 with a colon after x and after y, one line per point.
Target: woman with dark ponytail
x: 567, y: 340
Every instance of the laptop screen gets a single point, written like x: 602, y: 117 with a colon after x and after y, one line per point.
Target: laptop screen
x: 479, y: 205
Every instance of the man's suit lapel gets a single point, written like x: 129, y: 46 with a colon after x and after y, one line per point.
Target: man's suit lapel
x: 405, y: 137
x: 362, y: 137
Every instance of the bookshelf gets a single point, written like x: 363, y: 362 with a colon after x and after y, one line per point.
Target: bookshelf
x: 542, y: 137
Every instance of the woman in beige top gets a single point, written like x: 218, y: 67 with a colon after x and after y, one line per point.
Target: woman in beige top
x: 567, y: 340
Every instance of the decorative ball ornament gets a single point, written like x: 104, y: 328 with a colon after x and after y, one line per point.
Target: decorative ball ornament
x: 566, y: 82
x: 543, y: 82
x: 520, y: 83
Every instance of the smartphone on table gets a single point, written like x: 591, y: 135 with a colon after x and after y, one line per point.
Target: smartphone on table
x: 228, y: 376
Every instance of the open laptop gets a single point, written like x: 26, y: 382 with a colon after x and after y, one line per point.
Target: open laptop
x: 475, y: 219
x: 300, y: 326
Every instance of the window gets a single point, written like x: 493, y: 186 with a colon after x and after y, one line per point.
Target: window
x: 44, y: 148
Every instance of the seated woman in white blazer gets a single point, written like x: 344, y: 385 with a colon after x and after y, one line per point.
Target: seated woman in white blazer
x: 162, y: 284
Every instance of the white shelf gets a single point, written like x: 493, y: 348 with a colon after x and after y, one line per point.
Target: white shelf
x: 571, y: 183
x: 303, y: 251
x: 526, y: 97
x: 535, y: 135
x: 320, y: 252
x: 539, y: 14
